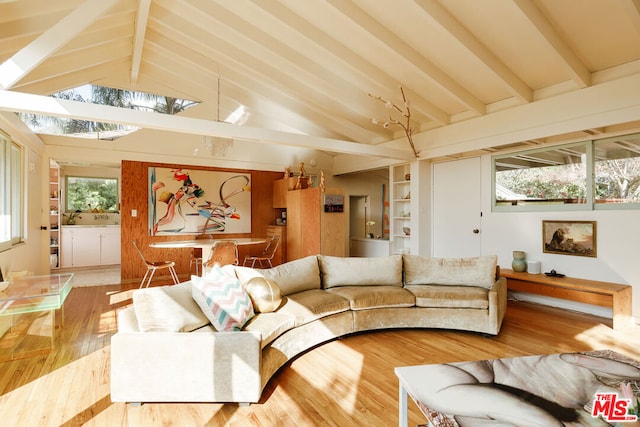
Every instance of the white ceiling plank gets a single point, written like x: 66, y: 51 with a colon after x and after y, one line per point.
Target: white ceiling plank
x: 50, y: 41
x: 394, y: 42
x: 142, y: 17
x: 79, y: 60
x: 577, y: 70
x: 377, y: 80
x: 633, y: 13
x: 449, y: 23
x: 250, y: 81
x: 28, y: 103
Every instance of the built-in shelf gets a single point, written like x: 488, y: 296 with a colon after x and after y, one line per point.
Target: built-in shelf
x: 54, y: 216
x: 400, y: 242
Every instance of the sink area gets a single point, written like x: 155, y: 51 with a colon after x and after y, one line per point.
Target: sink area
x: 89, y: 225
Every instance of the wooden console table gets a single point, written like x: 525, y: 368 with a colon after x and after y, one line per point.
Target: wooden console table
x: 604, y: 294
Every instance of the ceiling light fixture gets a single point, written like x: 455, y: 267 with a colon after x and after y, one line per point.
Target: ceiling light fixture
x: 217, y: 146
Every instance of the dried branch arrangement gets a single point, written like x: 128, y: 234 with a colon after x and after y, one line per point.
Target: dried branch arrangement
x: 406, y: 113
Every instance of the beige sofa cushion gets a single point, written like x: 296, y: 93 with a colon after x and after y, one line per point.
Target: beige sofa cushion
x: 307, y: 306
x: 167, y: 309
x: 291, y: 277
x: 362, y: 297
x: 476, y: 271
x: 376, y: 271
x: 270, y: 326
x: 438, y: 296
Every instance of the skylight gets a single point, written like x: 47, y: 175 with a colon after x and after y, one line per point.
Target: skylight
x: 104, y: 96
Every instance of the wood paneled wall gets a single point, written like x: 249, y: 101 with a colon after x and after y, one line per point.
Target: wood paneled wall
x: 135, y: 194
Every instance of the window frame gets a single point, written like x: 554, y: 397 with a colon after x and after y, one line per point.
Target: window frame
x: 12, y: 185
x: 589, y: 205
x: 76, y: 176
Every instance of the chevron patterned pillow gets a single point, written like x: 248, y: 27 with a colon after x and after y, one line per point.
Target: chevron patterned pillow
x: 222, y: 299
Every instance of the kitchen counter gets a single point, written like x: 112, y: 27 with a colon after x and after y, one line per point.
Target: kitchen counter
x: 89, y: 225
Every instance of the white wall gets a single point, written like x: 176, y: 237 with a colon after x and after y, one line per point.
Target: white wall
x: 618, y: 234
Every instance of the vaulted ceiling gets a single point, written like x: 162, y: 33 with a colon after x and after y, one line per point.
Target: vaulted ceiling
x: 309, y: 67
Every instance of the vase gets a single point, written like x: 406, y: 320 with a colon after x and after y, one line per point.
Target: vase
x: 53, y: 260
x: 71, y: 221
x: 519, y: 262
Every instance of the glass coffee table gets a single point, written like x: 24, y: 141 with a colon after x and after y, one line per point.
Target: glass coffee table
x: 31, y: 309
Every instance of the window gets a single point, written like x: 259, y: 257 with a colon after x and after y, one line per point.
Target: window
x: 551, y: 176
x: 88, y: 193
x: 617, y: 170
x: 558, y: 178
x: 11, y: 183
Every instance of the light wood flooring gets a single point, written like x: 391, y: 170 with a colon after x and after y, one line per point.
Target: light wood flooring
x: 342, y: 383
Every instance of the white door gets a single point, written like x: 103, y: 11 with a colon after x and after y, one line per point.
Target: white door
x: 456, y: 208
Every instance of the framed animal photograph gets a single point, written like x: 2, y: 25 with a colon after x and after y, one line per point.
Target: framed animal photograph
x: 569, y: 237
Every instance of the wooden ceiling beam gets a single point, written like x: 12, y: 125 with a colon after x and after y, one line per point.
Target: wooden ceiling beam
x: 29, y: 103
x: 394, y: 42
x: 576, y: 69
x: 376, y: 79
x: 142, y: 17
x: 453, y: 27
x: 32, y: 55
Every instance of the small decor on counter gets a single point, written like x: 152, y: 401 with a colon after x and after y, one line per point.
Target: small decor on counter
x: 369, y: 224
x: 519, y: 262
x: 71, y: 218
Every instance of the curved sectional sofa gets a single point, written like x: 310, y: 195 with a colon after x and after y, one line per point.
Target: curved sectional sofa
x: 164, y: 351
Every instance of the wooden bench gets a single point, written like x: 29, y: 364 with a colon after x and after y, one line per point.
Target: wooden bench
x: 604, y: 294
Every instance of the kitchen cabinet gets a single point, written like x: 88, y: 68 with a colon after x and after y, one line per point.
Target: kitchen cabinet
x: 90, y: 246
x: 311, y: 230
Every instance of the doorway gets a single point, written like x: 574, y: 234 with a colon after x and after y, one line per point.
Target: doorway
x: 358, y: 216
x: 457, y: 217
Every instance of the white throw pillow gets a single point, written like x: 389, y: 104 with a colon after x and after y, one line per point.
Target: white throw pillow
x: 222, y: 299
x: 167, y: 309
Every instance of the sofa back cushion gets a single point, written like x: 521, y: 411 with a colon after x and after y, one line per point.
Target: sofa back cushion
x: 167, y: 309
x: 291, y: 277
x: 475, y: 271
x: 341, y: 271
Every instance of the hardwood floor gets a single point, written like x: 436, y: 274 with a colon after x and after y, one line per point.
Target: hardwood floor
x: 342, y: 383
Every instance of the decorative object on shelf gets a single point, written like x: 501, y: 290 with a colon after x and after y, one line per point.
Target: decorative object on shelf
x: 369, y: 224
x: 569, y: 237
x: 406, y: 231
x: 53, y: 260
x: 533, y: 267
x: 301, y: 175
x: 287, y: 172
x: 554, y: 273
x: 519, y: 262
x: 407, y: 177
x: 323, y: 185
x: 406, y: 113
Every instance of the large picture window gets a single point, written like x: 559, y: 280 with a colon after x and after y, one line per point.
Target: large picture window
x: 11, y: 184
x: 559, y: 177
x: 89, y: 193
